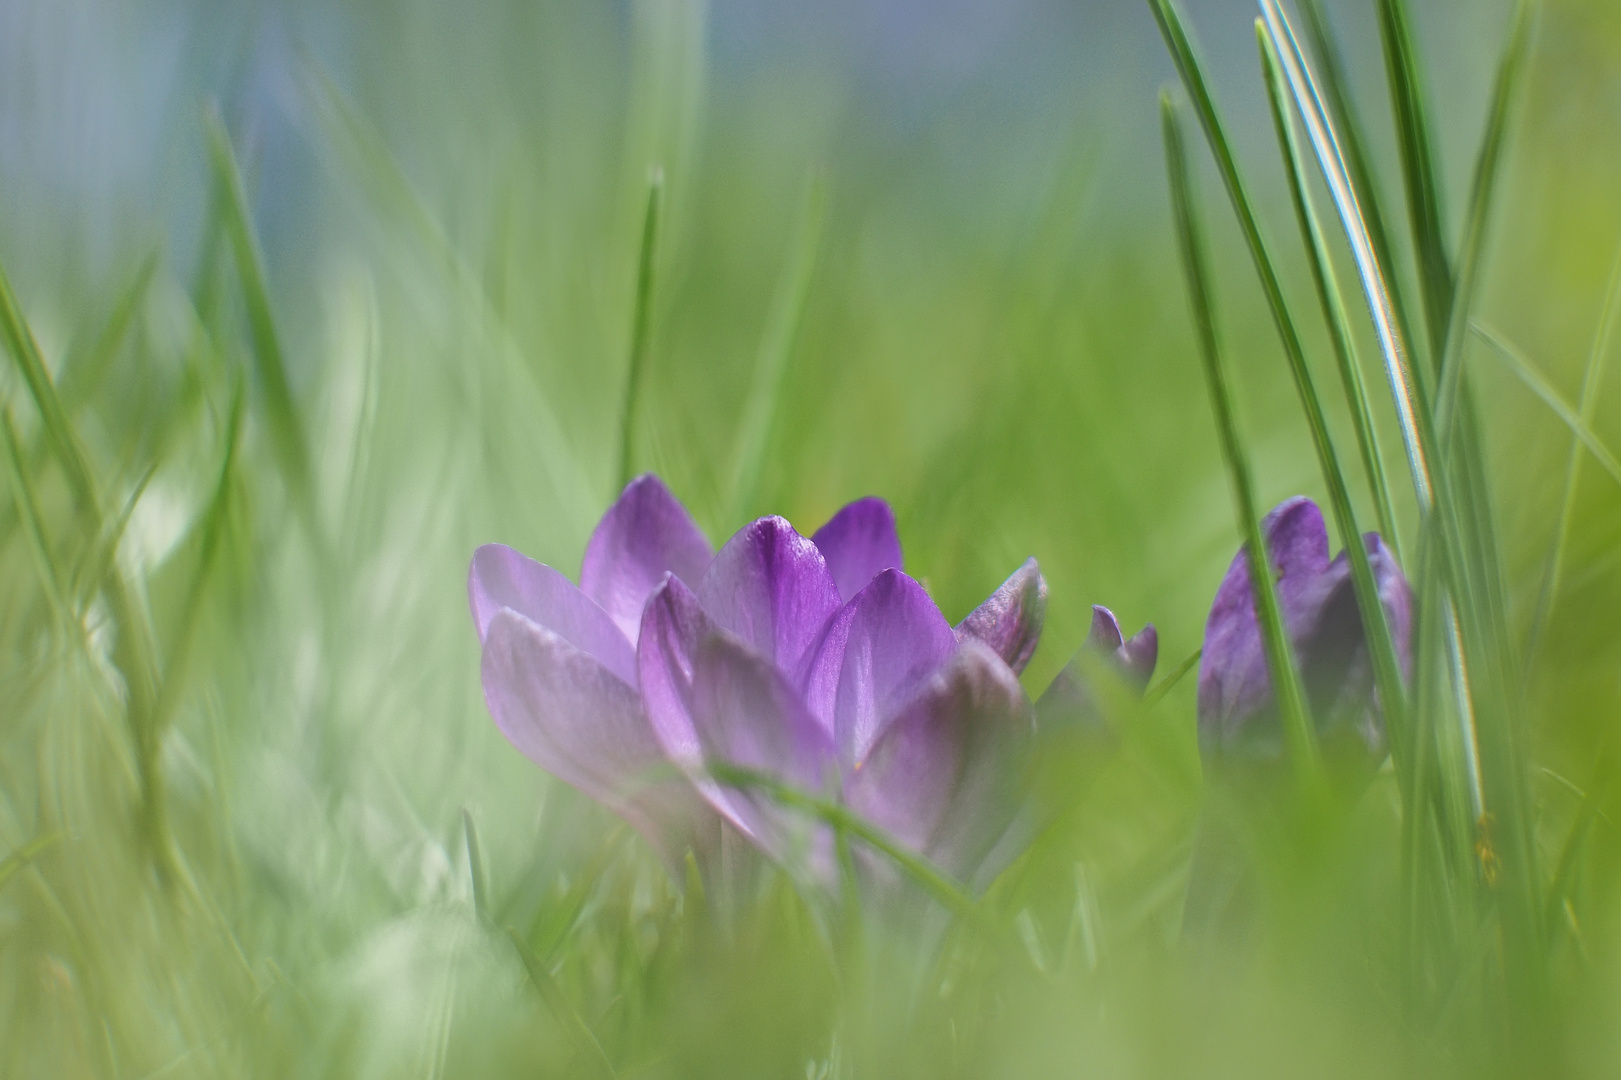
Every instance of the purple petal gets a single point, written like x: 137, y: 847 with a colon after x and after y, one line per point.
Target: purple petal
x: 1139, y: 654
x: 944, y: 776
x: 872, y: 658
x: 858, y: 542
x: 1068, y: 700
x: 746, y: 714
x: 709, y: 698
x: 646, y: 534
x: 770, y: 587
x: 673, y: 624
x: 1234, y: 683
x: 1010, y: 620
x: 503, y: 578
x: 574, y: 718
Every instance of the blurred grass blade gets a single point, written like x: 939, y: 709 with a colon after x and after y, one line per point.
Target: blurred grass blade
x: 23, y: 856
x: 212, y: 527
x: 1298, y: 733
x: 1328, y: 293
x: 286, y: 429
x: 1505, y: 93
x: 133, y: 650
x: 1420, y: 168
x: 640, y: 328
x: 782, y: 330
x: 550, y: 926
x: 1587, y: 406
x: 1156, y: 693
x: 51, y: 576
x: 1405, y: 391
x: 97, y: 563
x: 82, y: 375
x: 388, y: 184
x: 1528, y: 374
x: 475, y: 866
x: 586, y: 1044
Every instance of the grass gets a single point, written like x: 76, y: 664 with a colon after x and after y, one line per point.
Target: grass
x: 254, y: 818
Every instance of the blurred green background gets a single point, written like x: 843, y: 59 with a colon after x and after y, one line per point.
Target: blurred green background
x: 994, y: 336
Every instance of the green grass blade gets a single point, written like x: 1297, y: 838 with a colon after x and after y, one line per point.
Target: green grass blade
x: 21, y: 858
x: 1539, y: 385
x: 1156, y: 693
x: 1341, y: 105
x: 932, y: 879
x: 286, y: 429
x: 83, y: 374
x: 475, y: 866
x: 1406, y: 391
x: 133, y: 651
x: 1381, y: 641
x: 586, y: 1044
x: 782, y: 330
x: 212, y: 532
x: 640, y: 328
x: 1328, y: 293
x: 51, y: 575
x: 1586, y: 406
x: 1420, y: 167
x: 1505, y: 93
x: 1297, y: 730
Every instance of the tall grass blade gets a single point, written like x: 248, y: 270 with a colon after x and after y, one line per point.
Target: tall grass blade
x: 1420, y: 165
x: 133, y: 649
x: 782, y: 330
x: 586, y: 1044
x: 1586, y: 407
x: 475, y: 866
x: 211, y: 533
x: 1405, y: 390
x: 21, y: 858
x: 1156, y: 693
x: 1542, y: 388
x: 286, y: 429
x: 1328, y: 293
x: 51, y: 575
x: 640, y: 328
x: 83, y: 373
x: 1341, y: 105
x: 1297, y: 729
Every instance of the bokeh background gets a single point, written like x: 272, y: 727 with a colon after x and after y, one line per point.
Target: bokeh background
x: 994, y: 336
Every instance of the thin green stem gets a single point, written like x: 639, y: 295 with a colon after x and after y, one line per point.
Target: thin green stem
x: 640, y: 329
x: 1292, y: 710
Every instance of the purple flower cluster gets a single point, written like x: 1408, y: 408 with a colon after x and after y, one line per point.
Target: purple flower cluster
x: 817, y: 662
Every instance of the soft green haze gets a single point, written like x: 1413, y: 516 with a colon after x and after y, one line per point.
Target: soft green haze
x: 302, y: 396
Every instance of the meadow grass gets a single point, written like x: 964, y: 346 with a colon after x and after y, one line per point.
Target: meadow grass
x: 255, y: 819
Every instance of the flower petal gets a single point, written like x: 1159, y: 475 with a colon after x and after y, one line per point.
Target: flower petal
x: 872, y: 657
x: 710, y: 699
x: 944, y: 776
x: 1010, y: 620
x: 576, y: 719
x: 644, y: 535
x: 1067, y: 699
x: 771, y: 587
x: 503, y: 578
x: 858, y: 542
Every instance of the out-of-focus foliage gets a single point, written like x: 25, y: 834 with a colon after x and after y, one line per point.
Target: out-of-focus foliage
x: 446, y: 200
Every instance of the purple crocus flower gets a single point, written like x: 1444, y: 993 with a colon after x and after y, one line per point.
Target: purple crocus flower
x: 1236, y: 709
x: 816, y: 661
